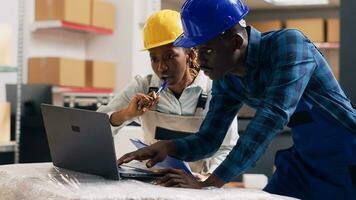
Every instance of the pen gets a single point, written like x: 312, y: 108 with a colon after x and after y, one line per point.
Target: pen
x: 143, y: 103
x: 164, y: 84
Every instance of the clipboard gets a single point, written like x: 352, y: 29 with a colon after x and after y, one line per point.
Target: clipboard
x: 169, y: 162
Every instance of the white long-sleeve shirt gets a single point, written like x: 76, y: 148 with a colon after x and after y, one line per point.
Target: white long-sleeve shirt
x: 168, y: 103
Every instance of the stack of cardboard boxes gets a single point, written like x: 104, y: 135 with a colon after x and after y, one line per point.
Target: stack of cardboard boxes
x: 6, y: 35
x: 4, y: 122
x: 265, y: 26
x: 71, y: 72
x: 100, y: 74
x: 96, y: 13
x: 67, y: 71
x: 313, y: 28
x: 102, y: 14
x: 317, y: 30
x: 333, y: 30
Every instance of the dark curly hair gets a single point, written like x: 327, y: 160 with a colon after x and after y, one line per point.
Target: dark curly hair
x: 193, y: 62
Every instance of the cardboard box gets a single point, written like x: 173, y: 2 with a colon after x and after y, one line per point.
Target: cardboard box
x: 333, y: 30
x: 314, y: 29
x: 75, y: 11
x: 5, y: 111
x: 57, y: 71
x: 5, y: 44
x: 103, y: 14
x: 265, y: 26
x: 100, y: 74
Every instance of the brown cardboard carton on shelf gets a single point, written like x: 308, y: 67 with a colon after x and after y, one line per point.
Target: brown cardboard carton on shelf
x: 5, y: 44
x: 75, y: 11
x: 5, y: 122
x: 103, y: 14
x: 333, y: 30
x: 265, y: 26
x: 314, y: 29
x: 57, y: 71
x: 100, y: 74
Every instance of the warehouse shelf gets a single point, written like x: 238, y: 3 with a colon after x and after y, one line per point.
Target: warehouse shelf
x: 63, y: 89
x: 7, y: 146
x: 57, y: 24
x: 8, y: 69
x: 328, y: 45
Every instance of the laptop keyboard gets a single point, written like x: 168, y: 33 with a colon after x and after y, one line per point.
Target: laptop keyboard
x: 135, y: 167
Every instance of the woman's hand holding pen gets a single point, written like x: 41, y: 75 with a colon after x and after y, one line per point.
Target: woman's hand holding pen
x: 138, y: 105
x: 147, y: 102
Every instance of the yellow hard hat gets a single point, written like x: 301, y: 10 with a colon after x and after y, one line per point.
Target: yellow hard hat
x: 161, y: 28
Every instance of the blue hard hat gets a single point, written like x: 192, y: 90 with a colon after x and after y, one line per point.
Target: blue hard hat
x: 205, y: 19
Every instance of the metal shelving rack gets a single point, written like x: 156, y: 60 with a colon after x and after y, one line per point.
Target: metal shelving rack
x: 8, y: 69
x: 38, y: 26
x: 20, y: 63
x: 69, y: 26
x: 7, y: 146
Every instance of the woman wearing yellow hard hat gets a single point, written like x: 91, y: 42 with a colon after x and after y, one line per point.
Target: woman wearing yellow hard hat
x: 179, y: 109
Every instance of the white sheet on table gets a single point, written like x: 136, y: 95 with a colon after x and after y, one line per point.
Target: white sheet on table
x: 44, y: 181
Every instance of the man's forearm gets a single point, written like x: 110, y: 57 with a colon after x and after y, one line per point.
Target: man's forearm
x: 213, y: 181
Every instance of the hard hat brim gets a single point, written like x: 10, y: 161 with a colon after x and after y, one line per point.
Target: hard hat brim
x: 185, y: 42
x: 158, y: 45
x: 189, y: 42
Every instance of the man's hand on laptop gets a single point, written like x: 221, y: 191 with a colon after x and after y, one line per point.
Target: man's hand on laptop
x: 154, y: 153
x: 178, y: 178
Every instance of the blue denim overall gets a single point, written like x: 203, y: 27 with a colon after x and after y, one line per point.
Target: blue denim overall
x: 321, y: 164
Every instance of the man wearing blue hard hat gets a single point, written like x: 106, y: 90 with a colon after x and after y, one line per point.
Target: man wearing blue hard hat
x: 286, y: 79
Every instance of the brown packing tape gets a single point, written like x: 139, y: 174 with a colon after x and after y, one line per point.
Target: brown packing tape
x: 49, y: 4
x: 48, y: 10
x: 89, y: 73
x: 5, y: 122
x: 44, y: 67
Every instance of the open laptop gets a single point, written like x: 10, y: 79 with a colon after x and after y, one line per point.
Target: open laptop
x: 81, y: 140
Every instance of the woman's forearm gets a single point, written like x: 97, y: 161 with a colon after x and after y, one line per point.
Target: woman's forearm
x: 119, y: 117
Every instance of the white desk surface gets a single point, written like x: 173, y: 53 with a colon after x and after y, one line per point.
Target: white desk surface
x: 44, y: 181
